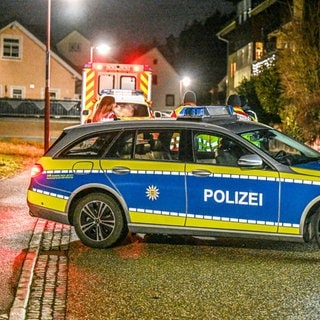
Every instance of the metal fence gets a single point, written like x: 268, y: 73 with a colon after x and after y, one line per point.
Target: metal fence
x: 36, y: 108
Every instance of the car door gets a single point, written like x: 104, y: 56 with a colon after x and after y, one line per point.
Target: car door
x: 146, y: 169
x: 224, y: 196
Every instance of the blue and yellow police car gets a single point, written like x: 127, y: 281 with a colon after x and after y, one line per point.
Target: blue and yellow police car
x: 230, y: 179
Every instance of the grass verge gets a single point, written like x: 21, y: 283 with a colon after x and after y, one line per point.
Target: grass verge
x: 18, y: 155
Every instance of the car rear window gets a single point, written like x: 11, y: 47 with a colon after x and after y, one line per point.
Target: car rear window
x: 93, y: 146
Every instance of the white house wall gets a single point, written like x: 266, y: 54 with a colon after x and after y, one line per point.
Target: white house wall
x: 167, y: 79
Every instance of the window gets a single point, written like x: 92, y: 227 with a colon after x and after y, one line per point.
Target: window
x: 243, y: 10
x: 128, y: 82
x: 170, y: 100
x: 233, y: 69
x: 89, y: 148
x: 154, y: 79
x: 17, y: 93
x: 217, y: 149
x: 258, y: 50
x: 156, y: 145
x: 106, y: 81
x: 54, y: 93
x: 74, y: 47
x: 11, y: 47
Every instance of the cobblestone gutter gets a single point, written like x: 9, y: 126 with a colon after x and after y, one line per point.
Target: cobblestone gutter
x: 42, y: 288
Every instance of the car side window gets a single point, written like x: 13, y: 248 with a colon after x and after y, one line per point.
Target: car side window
x: 93, y: 146
x: 157, y: 145
x: 122, y: 147
x: 205, y: 147
x: 217, y: 149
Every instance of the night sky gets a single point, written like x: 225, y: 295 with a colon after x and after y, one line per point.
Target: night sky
x: 112, y: 21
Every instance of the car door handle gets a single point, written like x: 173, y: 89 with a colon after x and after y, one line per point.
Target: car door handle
x: 201, y: 173
x: 120, y: 170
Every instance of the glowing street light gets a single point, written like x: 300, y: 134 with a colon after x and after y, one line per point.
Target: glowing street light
x: 184, y: 83
x: 103, y: 49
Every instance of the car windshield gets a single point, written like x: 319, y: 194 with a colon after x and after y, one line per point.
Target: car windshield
x: 281, y: 147
x: 130, y: 110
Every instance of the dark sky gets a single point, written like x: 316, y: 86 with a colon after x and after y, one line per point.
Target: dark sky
x: 112, y: 21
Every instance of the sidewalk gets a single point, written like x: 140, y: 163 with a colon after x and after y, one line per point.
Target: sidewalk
x: 42, y: 288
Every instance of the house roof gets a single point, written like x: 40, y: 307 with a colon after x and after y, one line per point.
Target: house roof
x: 54, y: 55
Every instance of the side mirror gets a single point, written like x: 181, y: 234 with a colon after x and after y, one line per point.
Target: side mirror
x: 157, y: 114
x: 251, y: 161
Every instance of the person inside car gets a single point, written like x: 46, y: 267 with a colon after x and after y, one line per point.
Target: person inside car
x: 105, y: 109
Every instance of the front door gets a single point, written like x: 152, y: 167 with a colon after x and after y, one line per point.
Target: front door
x: 221, y: 195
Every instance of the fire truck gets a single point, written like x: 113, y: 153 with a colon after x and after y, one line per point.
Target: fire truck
x: 126, y: 82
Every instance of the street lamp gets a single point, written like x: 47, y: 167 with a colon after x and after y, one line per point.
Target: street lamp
x: 183, y: 83
x: 47, y: 89
x: 103, y: 49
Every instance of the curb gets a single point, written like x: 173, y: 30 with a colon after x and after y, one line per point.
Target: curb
x: 20, y: 303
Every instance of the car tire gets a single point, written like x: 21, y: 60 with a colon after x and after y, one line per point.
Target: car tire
x: 316, y: 226
x: 99, y: 221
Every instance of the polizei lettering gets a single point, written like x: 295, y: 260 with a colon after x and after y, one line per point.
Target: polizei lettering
x: 235, y: 197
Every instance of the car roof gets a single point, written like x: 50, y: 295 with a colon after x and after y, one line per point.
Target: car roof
x: 71, y: 133
x: 231, y: 124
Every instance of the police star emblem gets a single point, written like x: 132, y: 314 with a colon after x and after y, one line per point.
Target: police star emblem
x: 152, y: 193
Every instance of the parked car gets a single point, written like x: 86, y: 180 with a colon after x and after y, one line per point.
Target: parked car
x: 235, y: 179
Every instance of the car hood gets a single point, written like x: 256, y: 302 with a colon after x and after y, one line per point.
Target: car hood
x: 310, y: 168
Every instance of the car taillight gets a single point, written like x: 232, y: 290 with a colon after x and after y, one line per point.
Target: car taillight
x: 36, y: 170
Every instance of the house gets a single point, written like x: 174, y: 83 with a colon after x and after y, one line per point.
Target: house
x: 166, y: 82
x: 23, y: 67
x: 253, y: 37
x: 76, y: 48
x: 166, y: 86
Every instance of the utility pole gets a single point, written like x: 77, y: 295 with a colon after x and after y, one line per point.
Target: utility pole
x: 47, y: 89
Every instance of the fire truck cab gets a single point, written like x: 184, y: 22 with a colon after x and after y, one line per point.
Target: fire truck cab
x: 128, y: 83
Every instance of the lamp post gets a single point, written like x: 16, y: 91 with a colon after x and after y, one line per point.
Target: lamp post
x: 47, y: 89
x: 185, y: 82
x: 103, y: 49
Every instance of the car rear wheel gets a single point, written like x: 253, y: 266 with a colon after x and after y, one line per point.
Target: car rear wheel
x: 316, y: 226
x: 99, y: 221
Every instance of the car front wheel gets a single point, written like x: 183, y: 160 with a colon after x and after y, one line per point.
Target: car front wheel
x: 99, y: 221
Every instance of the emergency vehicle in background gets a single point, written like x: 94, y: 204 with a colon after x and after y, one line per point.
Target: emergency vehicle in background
x: 129, y: 84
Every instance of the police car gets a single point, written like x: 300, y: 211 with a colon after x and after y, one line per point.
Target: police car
x: 234, y: 179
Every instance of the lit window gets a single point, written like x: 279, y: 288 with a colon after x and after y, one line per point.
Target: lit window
x: 259, y: 50
x: 233, y: 69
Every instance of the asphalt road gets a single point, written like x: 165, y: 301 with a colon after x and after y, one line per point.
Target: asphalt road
x: 182, y: 278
